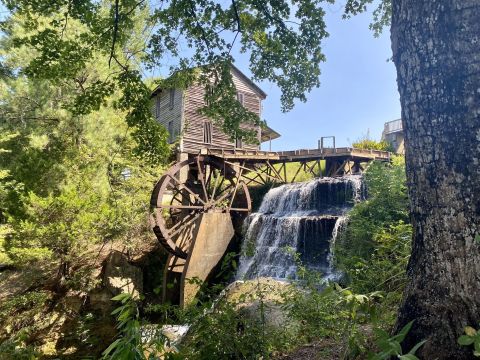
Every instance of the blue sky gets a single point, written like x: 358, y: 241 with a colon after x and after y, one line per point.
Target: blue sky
x: 358, y: 90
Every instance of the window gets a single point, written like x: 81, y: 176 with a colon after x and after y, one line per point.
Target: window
x: 157, y: 106
x: 207, y: 132
x: 170, y: 131
x: 240, y: 97
x: 238, y: 143
x: 172, y: 98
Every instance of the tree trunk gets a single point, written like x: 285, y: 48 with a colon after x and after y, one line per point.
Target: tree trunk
x: 436, y: 50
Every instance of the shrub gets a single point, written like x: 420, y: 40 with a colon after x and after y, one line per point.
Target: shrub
x: 374, y: 248
x: 367, y: 143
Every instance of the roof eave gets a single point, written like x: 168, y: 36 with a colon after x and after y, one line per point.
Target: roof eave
x: 257, y: 89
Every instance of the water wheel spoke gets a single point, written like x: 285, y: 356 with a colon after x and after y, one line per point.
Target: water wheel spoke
x: 202, y: 179
x: 174, y: 197
x: 236, y: 188
x: 226, y: 194
x: 226, y: 188
x: 183, y: 186
x: 209, y: 178
x: 182, y: 225
x: 214, y: 187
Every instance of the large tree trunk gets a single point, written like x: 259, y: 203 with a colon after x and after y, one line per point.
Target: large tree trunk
x: 436, y: 50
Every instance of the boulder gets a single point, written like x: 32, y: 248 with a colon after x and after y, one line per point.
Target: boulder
x: 120, y: 276
x: 250, y: 294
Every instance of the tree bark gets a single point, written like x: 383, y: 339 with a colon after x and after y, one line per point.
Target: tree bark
x: 436, y: 50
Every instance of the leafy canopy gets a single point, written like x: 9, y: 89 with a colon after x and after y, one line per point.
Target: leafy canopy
x: 71, y: 179
x: 283, y: 40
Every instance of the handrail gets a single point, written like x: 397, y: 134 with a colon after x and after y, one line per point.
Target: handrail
x: 324, y: 152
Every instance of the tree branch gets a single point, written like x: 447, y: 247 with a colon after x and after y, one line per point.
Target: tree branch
x: 237, y: 16
x: 115, y: 32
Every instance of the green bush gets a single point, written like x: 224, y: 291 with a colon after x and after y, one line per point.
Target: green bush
x: 130, y: 343
x: 374, y: 248
x: 367, y: 143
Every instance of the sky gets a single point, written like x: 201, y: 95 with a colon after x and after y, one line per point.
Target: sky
x: 357, y: 95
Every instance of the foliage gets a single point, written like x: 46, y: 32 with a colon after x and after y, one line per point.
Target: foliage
x: 16, y: 348
x: 71, y: 179
x: 18, y: 316
x: 381, y: 15
x: 227, y: 334
x: 326, y: 310
x: 367, y: 143
x: 130, y: 344
x: 374, y: 248
x: 238, y: 324
x: 32, y: 301
x: 471, y: 337
x: 390, y: 345
x: 282, y: 38
x: 388, y: 261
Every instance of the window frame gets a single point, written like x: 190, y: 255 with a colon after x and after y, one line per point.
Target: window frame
x: 207, y: 132
x: 241, y: 98
x: 238, y: 142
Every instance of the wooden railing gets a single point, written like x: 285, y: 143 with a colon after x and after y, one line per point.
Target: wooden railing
x: 291, y: 155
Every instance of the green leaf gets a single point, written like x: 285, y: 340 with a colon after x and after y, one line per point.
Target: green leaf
x: 112, y: 346
x: 476, y: 344
x: 396, y: 347
x: 477, y: 238
x: 408, y: 357
x: 381, y: 334
x: 416, y: 347
x: 465, y: 340
x: 120, y: 297
x: 403, y: 333
x: 117, y: 310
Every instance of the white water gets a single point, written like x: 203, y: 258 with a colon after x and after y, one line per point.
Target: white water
x: 303, y: 218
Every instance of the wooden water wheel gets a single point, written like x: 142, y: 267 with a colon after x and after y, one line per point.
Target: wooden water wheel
x: 190, y: 188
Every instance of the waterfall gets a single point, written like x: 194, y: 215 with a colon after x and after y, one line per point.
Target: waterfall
x: 300, y: 218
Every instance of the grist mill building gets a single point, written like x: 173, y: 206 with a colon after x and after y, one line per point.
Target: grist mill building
x: 177, y: 110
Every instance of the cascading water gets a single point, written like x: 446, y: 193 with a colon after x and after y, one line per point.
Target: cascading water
x: 303, y: 218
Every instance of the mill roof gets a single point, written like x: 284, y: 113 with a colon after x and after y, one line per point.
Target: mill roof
x: 240, y: 74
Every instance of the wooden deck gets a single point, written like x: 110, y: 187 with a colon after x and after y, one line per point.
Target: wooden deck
x: 251, y: 156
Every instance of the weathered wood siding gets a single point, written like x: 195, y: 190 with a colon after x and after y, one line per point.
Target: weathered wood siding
x: 165, y: 114
x: 193, y: 121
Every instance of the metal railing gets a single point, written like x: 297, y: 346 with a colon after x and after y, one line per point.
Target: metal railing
x: 393, y: 126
